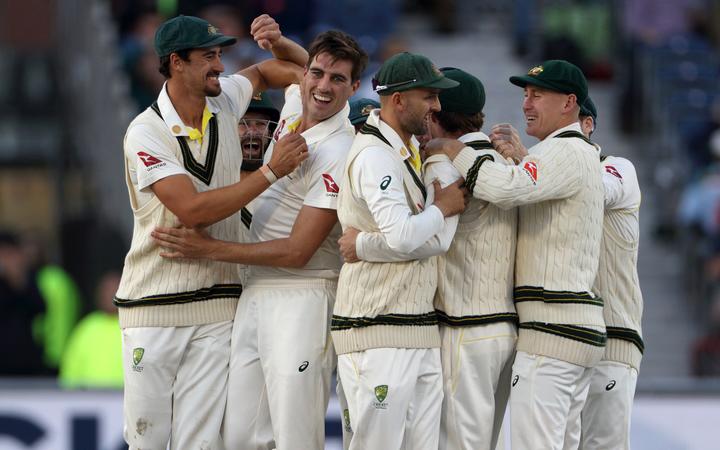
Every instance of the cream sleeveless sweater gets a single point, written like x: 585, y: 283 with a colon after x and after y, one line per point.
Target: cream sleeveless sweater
x: 157, y: 292
x: 380, y: 305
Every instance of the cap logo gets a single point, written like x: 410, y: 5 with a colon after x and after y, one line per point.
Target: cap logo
x: 535, y: 71
x: 366, y: 110
x: 436, y: 71
x: 257, y: 97
x: 212, y: 30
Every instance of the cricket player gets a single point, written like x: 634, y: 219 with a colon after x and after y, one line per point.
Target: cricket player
x: 182, y: 166
x: 360, y: 110
x: 282, y: 357
x: 558, y: 188
x: 607, y: 411
x: 384, y: 326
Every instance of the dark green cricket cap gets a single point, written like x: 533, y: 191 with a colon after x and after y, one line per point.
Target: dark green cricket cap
x: 261, y: 103
x: 588, y: 109
x: 467, y: 98
x: 360, y: 109
x: 556, y: 75
x: 187, y: 32
x: 405, y: 71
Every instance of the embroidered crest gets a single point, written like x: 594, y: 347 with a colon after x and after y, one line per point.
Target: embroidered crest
x: 535, y: 71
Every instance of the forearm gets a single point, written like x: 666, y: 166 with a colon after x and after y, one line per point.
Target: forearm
x: 287, y: 50
x: 275, y: 253
x: 209, y: 207
x: 373, y: 247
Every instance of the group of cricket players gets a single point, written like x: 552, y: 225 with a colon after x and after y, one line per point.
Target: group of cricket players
x: 443, y: 272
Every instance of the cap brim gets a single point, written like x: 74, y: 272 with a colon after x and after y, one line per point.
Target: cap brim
x: 220, y: 41
x: 442, y: 83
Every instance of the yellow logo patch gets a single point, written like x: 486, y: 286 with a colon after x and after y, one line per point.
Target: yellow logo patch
x: 535, y: 71
x: 366, y: 110
x: 212, y: 30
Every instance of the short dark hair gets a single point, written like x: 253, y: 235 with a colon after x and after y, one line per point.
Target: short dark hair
x: 340, y: 46
x: 164, y: 68
x: 453, y: 122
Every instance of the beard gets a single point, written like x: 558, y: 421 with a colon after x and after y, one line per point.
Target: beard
x: 250, y: 165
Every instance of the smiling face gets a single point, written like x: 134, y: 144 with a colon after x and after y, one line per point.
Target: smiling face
x: 326, y: 87
x: 201, y: 70
x: 545, y: 110
x: 417, y: 105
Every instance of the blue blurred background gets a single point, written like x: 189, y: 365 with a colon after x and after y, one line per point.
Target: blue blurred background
x: 73, y: 73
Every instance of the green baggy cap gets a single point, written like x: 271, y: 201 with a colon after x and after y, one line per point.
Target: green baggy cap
x: 588, y: 109
x: 556, y: 75
x: 467, y: 98
x: 405, y: 71
x: 360, y: 109
x: 186, y: 32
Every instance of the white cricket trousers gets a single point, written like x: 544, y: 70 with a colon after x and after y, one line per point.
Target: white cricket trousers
x: 394, y: 397
x: 477, y: 364
x: 546, y: 398
x: 175, y: 385
x: 281, y: 362
x: 607, y: 411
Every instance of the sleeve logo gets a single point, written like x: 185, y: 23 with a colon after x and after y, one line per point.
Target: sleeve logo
x: 613, y: 171
x: 330, y: 184
x: 148, y: 160
x: 531, y: 169
x: 385, y: 182
x: 279, y: 130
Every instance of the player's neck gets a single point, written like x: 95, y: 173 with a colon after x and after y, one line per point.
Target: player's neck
x: 189, y: 106
x: 392, y: 121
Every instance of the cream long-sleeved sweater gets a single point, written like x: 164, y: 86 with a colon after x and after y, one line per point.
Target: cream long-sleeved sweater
x: 559, y: 191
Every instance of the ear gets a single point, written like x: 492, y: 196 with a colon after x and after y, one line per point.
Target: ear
x: 176, y: 62
x: 397, y: 100
x: 571, y: 102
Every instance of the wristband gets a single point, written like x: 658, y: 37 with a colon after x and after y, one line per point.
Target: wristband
x: 268, y: 173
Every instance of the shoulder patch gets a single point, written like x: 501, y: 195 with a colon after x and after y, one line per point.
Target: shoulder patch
x: 531, y: 169
x: 613, y: 171
x: 148, y: 160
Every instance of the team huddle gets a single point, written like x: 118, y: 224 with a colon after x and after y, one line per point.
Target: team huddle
x: 444, y: 272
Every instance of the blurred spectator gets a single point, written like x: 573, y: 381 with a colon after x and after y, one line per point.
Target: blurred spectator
x: 139, y: 59
x: 230, y: 22
x: 93, y: 358
x: 706, y: 350
x: 62, y: 300
x: 20, y: 304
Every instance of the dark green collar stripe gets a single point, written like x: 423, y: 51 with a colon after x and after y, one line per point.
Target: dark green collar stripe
x: 484, y: 319
x: 574, y: 134
x: 473, y: 172
x: 374, y: 131
x: 246, y: 217
x: 538, y: 294
x: 416, y: 178
x: 480, y: 145
x: 369, y: 129
x: 203, y: 173
x: 576, y: 333
x: 626, y: 334
x: 603, y: 157
x: 340, y: 323
x: 213, y: 292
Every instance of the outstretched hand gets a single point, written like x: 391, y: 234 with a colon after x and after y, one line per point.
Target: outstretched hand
x: 184, y: 242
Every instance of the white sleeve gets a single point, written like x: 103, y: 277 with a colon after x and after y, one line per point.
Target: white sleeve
x: 622, y: 190
x: 239, y: 92
x: 379, y: 181
x: 149, y: 158
x: 550, y: 175
x: 325, y: 172
x: 373, y: 247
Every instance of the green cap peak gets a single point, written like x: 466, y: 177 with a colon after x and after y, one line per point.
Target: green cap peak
x: 405, y: 71
x: 187, y: 32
